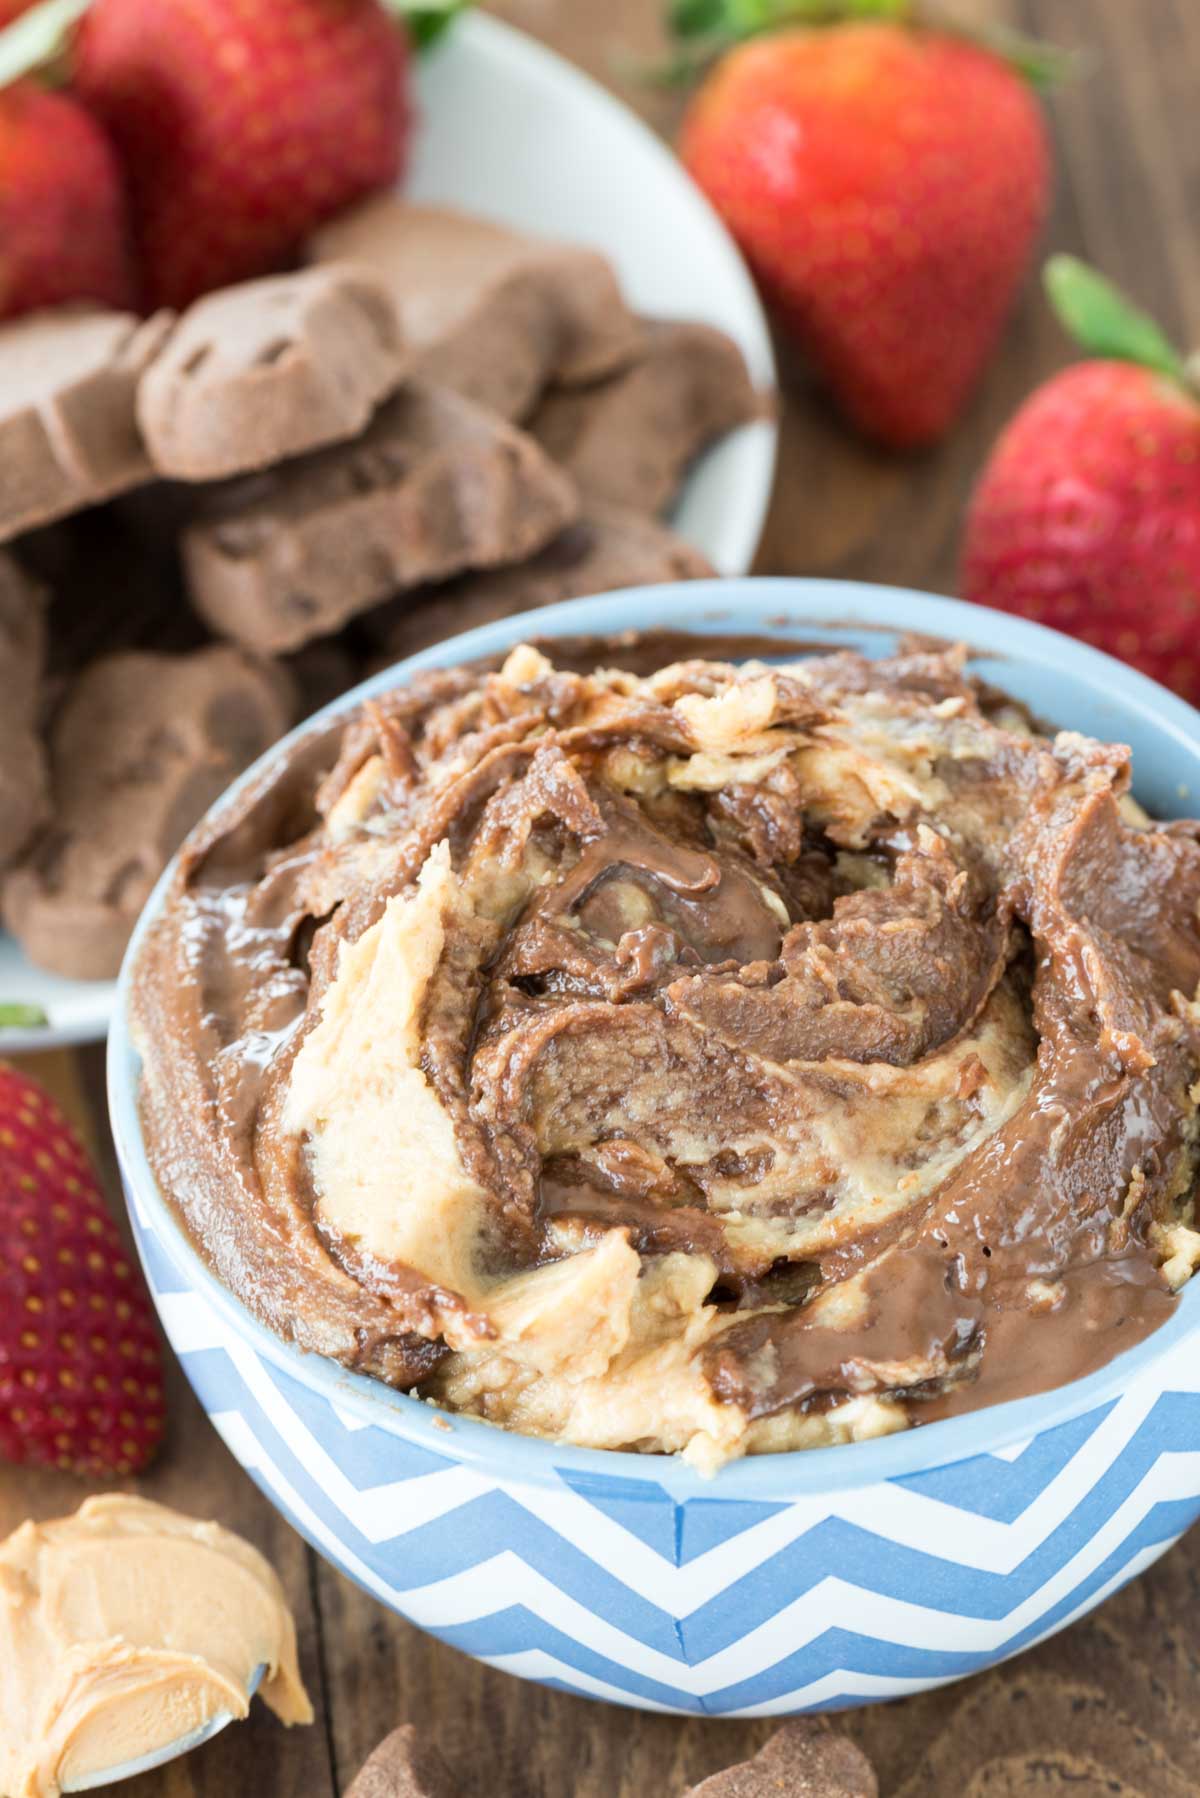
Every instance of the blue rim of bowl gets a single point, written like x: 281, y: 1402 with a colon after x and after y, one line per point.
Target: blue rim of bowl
x: 762, y: 606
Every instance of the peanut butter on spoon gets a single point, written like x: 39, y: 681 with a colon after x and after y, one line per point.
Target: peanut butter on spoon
x: 125, y: 1629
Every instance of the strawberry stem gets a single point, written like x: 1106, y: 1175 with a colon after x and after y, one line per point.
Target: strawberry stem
x: 706, y: 28
x: 426, y: 20
x: 736, y: 19
x: 1105, y: 323
x: 1044, y: 66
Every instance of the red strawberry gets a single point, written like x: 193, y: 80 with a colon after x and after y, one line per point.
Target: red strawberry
x: 243, y: 124
x: 1087, y: 517
x: 80, y: 1369
x: 63, y: 224
x: 886, y: 185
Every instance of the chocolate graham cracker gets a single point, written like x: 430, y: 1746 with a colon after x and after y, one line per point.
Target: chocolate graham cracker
x: 606, y: 548
x: 804, y: 1759
x: 629, y: 440
x: 404, y: 1766
x: 270, y: 369
x: 434, y: 486
x: 24, y: 787
x: 68, y: 430
x: 494, y: 313
x: 141, y: 746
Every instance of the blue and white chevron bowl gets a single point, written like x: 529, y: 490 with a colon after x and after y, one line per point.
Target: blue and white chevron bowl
x: 795, y: 1582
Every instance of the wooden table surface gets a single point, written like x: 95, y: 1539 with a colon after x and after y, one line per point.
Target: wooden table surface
x: 1107, y: 1708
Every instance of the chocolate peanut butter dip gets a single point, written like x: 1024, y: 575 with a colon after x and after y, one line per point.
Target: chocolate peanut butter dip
x: 718, y: 1059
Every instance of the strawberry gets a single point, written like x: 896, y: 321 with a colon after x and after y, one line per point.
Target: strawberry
x: 64, y: 232
x: 80, y: 1368
x: 886, y: 185
x: 243, y: 124
x: 1087, y: 516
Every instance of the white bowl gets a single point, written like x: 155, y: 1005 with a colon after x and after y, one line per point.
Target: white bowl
x: 510, y: 130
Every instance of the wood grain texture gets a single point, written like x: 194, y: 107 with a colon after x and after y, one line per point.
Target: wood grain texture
x: 1107, y: 1709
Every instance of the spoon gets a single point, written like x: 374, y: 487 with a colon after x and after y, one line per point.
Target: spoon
x: 158, y: 1757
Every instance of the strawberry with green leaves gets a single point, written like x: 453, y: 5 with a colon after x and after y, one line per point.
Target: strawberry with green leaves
x: 886, y: 182
x: 1087, y: 516
x: 80, y: 1366
x: 241, y: 124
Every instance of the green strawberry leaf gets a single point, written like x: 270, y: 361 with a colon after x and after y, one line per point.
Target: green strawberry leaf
x: 704, y: 29
x: 16, y: 1016
x: 678, y: 69
x: 707, y: 28
x: 695, y: 18
x: 1044, y: 66
x: 728, y: 21
x: 426, y: 20
x: 1102, y: 321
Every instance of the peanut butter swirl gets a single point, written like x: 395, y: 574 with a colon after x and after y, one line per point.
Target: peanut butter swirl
x: 715, y: 1059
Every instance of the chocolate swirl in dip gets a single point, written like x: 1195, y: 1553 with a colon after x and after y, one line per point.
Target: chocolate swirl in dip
x: 719, y: 1059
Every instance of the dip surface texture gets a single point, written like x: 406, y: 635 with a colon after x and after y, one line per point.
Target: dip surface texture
x: 719, y: 1059
x: 123, y: 1629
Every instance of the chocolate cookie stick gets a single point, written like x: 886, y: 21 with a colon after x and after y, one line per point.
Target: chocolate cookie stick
x: 628, y: 440
x: 804, y: 1759
x: 270, y: 369
x: 435, y: 486
x: 607, y: 547
x: 403, y: 1766
x: 68, y: 431
x: 494, y: 313
x: 23, y: 775
x: 141, y: 746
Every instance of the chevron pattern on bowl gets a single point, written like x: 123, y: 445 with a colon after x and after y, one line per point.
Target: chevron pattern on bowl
x: 617, y: 1588
x: 787, y: 1583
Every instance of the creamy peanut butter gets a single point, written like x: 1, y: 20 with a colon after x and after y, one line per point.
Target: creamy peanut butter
x: 123, y: 1629
x: 713, y: 1058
